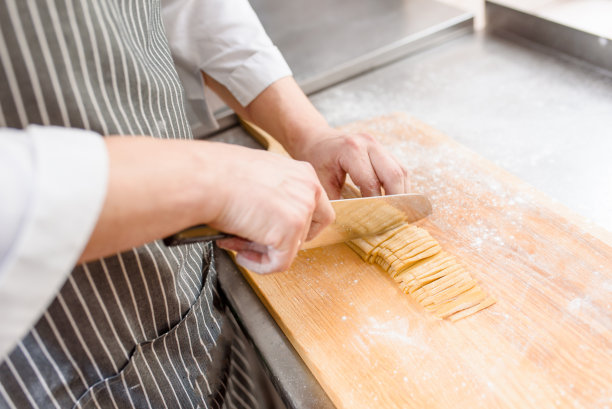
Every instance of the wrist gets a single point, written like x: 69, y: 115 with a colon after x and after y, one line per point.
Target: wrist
x: 285, y: 112
x: 298, y: 137
x: 305, y: 138
x: 208, y: 193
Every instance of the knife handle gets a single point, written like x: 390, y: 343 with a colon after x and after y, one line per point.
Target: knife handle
x: 196, y: 234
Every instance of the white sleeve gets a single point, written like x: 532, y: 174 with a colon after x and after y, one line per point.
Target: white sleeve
x: 53, y: 184
x: 225, y: 39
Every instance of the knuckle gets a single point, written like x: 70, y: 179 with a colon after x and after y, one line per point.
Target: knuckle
x: 329, y: 216
x: 352, y: 144
x: 295, y: 221
x: 371, y: 185
x: 305, y: 166
x: 274, y: 238
x: 368, y: 137
x: 314, y: 179
x: 311, y: 204
x: 290, y: 224
x: 309, y: 171
x: 397, y: 173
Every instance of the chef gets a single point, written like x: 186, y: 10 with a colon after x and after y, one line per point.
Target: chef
x: 97, y: 162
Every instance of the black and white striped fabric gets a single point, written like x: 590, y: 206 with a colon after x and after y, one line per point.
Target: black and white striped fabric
x: 145, y: 328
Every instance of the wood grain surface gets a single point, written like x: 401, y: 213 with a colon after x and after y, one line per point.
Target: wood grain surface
x: 547, y: 343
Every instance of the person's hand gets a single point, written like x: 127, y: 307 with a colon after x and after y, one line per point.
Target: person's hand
x: 273, y: 202
x: 285, y: 112
x: 333, y: 154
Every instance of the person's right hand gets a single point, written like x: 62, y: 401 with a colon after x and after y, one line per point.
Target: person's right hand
x: 275, y: 203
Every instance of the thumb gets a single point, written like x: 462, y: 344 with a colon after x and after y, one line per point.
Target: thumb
x: 332, y: 184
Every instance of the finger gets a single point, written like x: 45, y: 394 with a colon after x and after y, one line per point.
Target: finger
x: 245, y: 250
x: 272, y: 261
x: 306, y: 230
x: 333, y: 184
x: 322, y: 216
x: 256, y: 257
x: 357, y: 164
x: 391, y: 175
x: 332, y: 179
x: 407, y: 182
x: 283, y: 241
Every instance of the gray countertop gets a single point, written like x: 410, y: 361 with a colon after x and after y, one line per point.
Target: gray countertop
x: 325, y: 42
x: 543, y: 117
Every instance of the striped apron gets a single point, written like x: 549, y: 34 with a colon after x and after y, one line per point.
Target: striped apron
x: 145, y: 328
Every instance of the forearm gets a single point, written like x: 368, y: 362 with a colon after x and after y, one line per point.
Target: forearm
x: 155, y: 188
x: 282, y: 110
x: 158, y: 187
x: 285, y: 112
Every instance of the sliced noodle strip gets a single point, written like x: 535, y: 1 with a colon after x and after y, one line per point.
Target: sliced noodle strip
x: 434, y: 278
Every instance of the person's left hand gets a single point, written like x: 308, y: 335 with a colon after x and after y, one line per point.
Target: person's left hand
x: 334, y: 153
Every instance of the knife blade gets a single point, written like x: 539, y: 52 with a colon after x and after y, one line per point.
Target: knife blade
x: 355, y: 218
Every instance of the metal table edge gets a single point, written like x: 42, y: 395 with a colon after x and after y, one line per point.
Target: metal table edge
x: 294, y: 382
x: 506, y: 21
x: 404, y: 47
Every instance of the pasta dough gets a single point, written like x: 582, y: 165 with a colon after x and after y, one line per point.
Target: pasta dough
x: 434, y: 278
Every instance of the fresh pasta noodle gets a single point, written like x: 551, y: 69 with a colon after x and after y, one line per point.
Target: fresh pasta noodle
x: 434, y: 278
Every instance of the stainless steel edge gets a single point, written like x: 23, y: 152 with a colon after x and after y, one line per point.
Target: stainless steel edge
x: 292, y: 379
x: 404, y: 47
x: 504, y: 20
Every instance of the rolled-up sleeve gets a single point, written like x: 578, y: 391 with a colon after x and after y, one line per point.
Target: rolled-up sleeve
x: 53, y: 183
x: 225, y: 39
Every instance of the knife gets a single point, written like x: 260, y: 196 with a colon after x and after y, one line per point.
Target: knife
x: 355, y: 218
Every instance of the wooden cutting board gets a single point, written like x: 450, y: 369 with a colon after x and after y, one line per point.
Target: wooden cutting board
x: 547, y: 343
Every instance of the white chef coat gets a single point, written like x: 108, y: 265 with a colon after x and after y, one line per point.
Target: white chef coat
x: 225, y: 39
x: 53, y: 180
x: 53, y: 184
